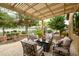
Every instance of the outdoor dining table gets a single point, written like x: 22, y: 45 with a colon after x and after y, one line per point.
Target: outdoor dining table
x: 44, y: 44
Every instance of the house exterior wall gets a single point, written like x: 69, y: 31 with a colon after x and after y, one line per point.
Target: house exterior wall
x: 74, y: 49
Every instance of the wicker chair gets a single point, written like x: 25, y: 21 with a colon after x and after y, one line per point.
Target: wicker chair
x: 24, y: 48
x: 62, y: 50
x: 30, y: 50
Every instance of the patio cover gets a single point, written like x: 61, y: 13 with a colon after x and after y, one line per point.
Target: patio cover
x: 42, y: 10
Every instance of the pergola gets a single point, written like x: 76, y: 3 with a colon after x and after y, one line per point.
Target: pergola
x: 42, y: 10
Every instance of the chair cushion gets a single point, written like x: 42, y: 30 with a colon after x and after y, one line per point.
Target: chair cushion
x: 61, y: 49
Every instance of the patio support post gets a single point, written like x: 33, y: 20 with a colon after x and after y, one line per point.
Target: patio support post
x: 43, y: 29
x: 70, y: 23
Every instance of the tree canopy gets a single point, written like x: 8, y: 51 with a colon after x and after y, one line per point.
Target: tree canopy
x: 27, y: 21
x: 57, y: 23
x: 6, y: 21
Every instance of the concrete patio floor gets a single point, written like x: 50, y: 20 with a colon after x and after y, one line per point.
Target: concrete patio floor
x: 14, y: 49
x: 11, y: 49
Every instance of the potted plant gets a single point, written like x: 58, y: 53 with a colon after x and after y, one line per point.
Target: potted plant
x: 39, y: 33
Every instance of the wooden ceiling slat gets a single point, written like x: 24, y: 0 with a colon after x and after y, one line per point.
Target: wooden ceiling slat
x: 30, y: 7
x: 49, y: 9
x: 53, y: 10
x: 21, y: 6
x: 36, y: 11
x: 77, y: 7
x: 17, y: 4
x: 14, y: 4
x: 39, y: 6
x: 30, y: 10
x: 44, y: 13
x: 58, y: 11
x: 64, y: 8
x: 60, y: 7
x: 46, y: 7
x: 59, y: 14
x: 69, y: 10
x: 56, y: 6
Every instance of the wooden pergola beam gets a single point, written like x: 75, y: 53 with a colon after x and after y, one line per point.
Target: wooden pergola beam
x: 35, y: 10
x: 20, y: 6
x: 17, y: 5
x: 46, y: 13
x: 30, y: 7
x: 49, y: 8
x: 60, y: 12
x: 14, y: 5
x: 64, y: 8
x: 76, y: 7
x: 45, y: 7
x: 53, y: 10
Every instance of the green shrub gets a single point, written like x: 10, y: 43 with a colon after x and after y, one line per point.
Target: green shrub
x: 49, y: 31
x: 23, y: 32
x: 64, y: 33
x: 14, y: 30
x: 38, y: 32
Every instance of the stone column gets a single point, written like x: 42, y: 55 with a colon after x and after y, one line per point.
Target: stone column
x: 70, y: 27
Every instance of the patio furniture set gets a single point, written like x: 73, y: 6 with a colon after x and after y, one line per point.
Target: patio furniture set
x: 30, y: 48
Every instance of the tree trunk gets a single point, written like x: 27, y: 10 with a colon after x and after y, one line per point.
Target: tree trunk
x: 4, y: 36
x: 26, y: 28
x: 60, y: 33
x: 3, y: 31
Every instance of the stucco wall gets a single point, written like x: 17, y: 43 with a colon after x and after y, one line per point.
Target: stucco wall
x: 75, y: 43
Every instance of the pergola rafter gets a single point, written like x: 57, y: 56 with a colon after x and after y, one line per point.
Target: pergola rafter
x: 30, y: 7
x: 49, y: 9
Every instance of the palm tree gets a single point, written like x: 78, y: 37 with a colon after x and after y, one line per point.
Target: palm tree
x: 57, y: 23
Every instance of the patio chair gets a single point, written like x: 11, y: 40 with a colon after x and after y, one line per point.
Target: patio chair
x: 32, y: 37
x: 30, y: 50
x: 64, y: 50
x: 24, y: 48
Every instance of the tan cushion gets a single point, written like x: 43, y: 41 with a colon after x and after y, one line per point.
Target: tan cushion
x: 61, y: 49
